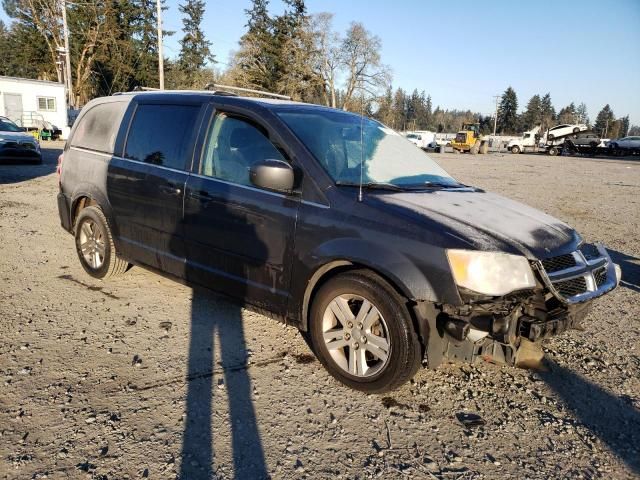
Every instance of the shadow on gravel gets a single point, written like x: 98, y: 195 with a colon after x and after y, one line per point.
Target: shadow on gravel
x: 211, y: 315
x: 630, y: 269
x: 613, y: 419
x: 14, y: 172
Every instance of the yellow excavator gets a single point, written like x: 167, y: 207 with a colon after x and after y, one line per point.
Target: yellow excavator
x: 469, y: 139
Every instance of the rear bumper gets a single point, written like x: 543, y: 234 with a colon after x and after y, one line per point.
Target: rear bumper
x: 64, y: 210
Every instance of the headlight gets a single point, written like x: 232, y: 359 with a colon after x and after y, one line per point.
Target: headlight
x: 490, y: 273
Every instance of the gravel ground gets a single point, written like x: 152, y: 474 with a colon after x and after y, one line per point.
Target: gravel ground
x: 146, y: 378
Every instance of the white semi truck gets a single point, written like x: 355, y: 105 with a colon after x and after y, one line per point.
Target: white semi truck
x: 552, y: 142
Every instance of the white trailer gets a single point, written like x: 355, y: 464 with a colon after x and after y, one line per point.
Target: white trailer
x: 34, y: 103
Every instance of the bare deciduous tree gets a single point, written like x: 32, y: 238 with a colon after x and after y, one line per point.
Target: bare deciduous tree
x: 355, y: 59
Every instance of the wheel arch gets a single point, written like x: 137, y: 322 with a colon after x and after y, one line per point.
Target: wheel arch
x: 330, y: 269
x: 85, y: 196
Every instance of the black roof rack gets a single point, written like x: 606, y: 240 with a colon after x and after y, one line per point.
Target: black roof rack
x: 224, y: 88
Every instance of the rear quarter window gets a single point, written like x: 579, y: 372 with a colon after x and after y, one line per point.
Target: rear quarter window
x: 162, y: 134
x: 98, y: 128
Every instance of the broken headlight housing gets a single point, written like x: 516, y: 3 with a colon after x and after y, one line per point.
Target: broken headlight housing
x: 490, y: 273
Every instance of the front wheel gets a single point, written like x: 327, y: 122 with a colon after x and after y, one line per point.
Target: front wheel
x: 362, y: 333
x: 94, y: 245
x: 515, y: 149
x: 553, y: 151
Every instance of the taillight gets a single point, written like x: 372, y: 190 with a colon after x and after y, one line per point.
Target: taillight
x: 59, y: 167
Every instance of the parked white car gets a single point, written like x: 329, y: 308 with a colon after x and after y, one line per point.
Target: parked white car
x: 631, y: 144
x: 564, y: 130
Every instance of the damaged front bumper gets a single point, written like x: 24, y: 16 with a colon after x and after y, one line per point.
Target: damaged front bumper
x: 511, y: 329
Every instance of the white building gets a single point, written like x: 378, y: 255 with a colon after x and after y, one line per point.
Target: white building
x: 30, y: 102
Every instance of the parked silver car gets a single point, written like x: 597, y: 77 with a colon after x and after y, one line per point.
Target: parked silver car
x: 16, y: 144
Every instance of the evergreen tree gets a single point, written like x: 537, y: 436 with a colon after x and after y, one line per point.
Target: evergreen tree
x: 548, y: 112
x: 195, y: 49
x: 533, y: 114
x: 582, y: 115
x: 624, y: 126
x: 604, y: 121
x: 508, y: 112
x: 568, y: 114
x: 400, y: 110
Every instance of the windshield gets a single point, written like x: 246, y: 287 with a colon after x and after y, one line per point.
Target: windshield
x: 336, y: 139
x: 7, y: 125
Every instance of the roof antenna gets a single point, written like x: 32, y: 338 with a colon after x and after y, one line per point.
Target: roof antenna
x: 361, y: 145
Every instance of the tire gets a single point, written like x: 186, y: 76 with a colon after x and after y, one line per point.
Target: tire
x: 515, y: 149
x: 576, y: 130
x: 93, y: 235
x: 476, y: 148
x: 389, y: 322
x: 553, y: 151
x: 551, y: 136
x: 484, y: 148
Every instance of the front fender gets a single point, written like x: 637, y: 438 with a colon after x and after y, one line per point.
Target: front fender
x: 425, y: 280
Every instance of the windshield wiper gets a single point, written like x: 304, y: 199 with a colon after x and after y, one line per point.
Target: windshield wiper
x: 372, y: 186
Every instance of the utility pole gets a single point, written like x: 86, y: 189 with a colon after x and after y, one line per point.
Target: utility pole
x: 67, y: 54
x: 160, y: 55
x: 495, y: 118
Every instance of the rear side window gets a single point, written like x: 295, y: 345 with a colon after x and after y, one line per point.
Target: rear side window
x: 98, y: 127
x: 161, y: 134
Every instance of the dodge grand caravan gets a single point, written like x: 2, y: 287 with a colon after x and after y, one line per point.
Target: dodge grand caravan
x: 325, y: 220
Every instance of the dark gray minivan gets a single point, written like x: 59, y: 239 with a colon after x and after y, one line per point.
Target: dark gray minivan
x: 325, y: 220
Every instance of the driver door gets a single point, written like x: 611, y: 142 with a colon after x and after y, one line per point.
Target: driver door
x: 238, y: 238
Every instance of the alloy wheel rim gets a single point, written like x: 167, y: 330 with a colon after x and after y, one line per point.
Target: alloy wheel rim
x: 92, y: 244
x: 356, y: 335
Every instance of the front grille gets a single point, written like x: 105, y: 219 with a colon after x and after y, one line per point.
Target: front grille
x: 579, y: 275
x: 600, y: 276
x: 561, y: 262
x: 571, y: 288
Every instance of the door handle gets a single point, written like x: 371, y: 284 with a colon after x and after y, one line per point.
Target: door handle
x: 201, y: 196
x: 170, y: 189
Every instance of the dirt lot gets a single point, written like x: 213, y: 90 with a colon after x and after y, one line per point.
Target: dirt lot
x: 142, y: 377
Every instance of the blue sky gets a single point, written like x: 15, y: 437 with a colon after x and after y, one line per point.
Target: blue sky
x: 464, y: 52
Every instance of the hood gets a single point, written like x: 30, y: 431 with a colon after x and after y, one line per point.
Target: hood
x: 487, y: 221
x: 16, y: 136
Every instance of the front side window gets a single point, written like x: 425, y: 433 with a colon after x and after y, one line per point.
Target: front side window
x: 161, y: 134
x: 99, y: 126
x: 233, y: 145
x: 343, y: 142
x: 47, y: 104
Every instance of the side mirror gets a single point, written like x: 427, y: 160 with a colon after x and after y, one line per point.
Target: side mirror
x: 271, y: 174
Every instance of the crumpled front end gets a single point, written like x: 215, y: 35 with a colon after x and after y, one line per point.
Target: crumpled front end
x: 510, y: 329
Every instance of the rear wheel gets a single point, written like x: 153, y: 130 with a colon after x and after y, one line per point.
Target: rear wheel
x: 362, y: 333
x: 576, y: 130
x: 94, y: 245
x: 553, y: 151
x: 515, y: 149
x: 476, y: 148
x: 484, y: 148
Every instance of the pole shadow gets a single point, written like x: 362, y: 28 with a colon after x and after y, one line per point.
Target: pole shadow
x: 211, y: 315
x: 613, y: 419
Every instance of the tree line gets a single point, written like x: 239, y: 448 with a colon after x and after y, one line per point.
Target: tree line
x: 114, y: 47
x: 540, y: 111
